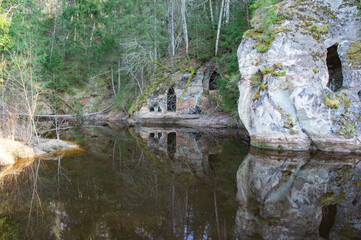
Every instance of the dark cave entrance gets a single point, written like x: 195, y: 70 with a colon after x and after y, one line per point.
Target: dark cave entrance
x: 171, y: 144
x: 328, y: 219
x: 171, y: 100
x: 334, y: 66
x: 212, y: 81
x: 359, y: 95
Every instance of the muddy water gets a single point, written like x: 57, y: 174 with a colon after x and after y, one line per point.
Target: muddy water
x: 179, y: 183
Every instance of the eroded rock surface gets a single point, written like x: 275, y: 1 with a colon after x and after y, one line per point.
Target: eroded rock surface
x: 298, y: 196
x: 305, y: 88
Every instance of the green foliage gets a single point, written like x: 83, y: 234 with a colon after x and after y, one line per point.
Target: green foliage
x: 263, y: 21
x: 228, y: 90
x: 6, y: 230
x: 6, y: 40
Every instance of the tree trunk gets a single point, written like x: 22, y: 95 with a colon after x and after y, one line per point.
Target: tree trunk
x: 172, y: 28
x: 118, y: 75
x: 227, y: 10
x: 211, y: 10
x: 219, y: 26
x: 185, y: 29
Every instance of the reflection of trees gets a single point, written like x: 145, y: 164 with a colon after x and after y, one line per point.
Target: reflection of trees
x: 118, y: 188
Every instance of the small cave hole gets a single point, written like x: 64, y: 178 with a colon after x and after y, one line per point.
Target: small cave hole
x: 151, y: 135
x: 159, y: 109
x: 160, y: 135
x: 212, y: 81
x: 334, y: 67
x: 359, y: 95
x: 171, y: 100
x: 151, y: 109
x: 328, y: 219
x: 171, y: 144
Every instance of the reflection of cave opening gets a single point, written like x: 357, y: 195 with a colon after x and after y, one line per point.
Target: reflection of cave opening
x: 171, y: 144
x: 328, y: 219
x: 334, y: 69
x: 212, y: 81
x: 171, y: 100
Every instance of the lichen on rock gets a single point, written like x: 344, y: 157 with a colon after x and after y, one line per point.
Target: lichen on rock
x: 320, y: 101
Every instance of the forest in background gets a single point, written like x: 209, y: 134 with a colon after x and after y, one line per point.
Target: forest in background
x: 54, y: 48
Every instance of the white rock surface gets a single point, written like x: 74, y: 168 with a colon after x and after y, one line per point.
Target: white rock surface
x: 291, y: 113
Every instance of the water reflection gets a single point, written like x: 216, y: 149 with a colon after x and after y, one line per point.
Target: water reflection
x: 122, y: 188
x: 180, y: 183
x: 194, y: 150
x: 298, y: 196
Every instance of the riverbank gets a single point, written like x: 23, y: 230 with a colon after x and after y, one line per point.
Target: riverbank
x: 12, y: 151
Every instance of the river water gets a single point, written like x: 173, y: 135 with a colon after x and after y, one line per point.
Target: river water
x: 180, y: 183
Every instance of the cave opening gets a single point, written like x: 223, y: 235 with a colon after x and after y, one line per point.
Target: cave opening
x: 151, y: 109
x: 212, y: 81
x: 359, y: 95
x: 171, y: 100
x: 328, y: 219
x: 171, y: 144
x: 334, y: 67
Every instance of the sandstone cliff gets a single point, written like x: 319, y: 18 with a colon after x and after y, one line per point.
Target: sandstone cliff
x: 301, y: 76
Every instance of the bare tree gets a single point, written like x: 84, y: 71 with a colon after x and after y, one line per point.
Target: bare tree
x: 211, y: 10
x: 219, y: 26
x: 185, y: 29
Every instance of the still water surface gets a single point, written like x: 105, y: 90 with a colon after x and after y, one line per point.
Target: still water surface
x: 179, y: 183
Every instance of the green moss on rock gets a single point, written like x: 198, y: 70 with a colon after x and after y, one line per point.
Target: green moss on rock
x: 331, y: 103
x: 279, y: 74
x: 354, y: 53
x: 267, y: 70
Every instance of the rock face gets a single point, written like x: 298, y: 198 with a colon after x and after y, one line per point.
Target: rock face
x: 294, y: 195
x: 303, y: 87
x: 184, y: 99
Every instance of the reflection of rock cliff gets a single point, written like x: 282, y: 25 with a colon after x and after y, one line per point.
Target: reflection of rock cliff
x: 300, y: 83
x: 298, y: 196
x: 192, y: 148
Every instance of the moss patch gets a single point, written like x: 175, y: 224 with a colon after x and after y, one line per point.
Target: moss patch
x: 354, y: 53
x: 267, y: 71
x: 279, y: 74
x: 331, y: 102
